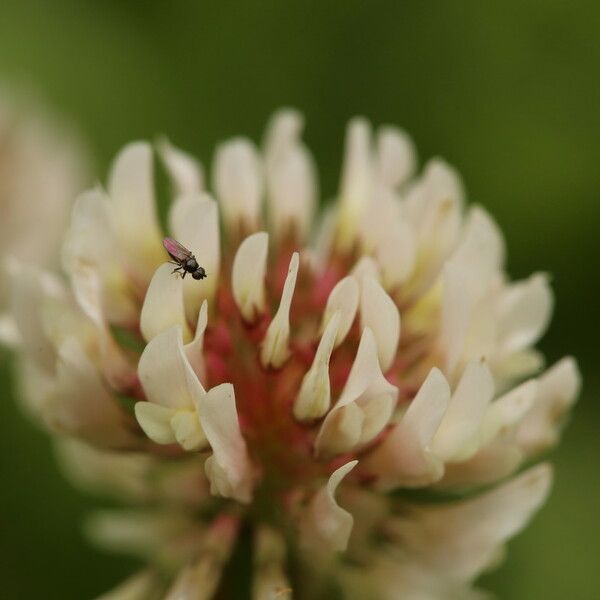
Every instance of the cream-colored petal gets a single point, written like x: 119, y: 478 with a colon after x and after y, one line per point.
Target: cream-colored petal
x: 166, y: 374
x: 248, y: 275
x: 290, y: 175
x: 283, y: 130
x: 365, y: 267
x: 404, y: 458
x: 557, y: 391
x: 163, y: 305
x: 187, y: 430
x: 194, y: 222
x: 364, y: 407
x: 131, y: 191
x: 87, y: 289
x: 356, y: 181
x: 228, y: 469
x: 275, y: 350
x: 91, y: 242
x: 155, y: 420
x: 507, y: 411
x: 396, y: 254
x: 186, y: 173
x: 99, y: 419
x: 194, y: 350
x: 525, y: 312
x: 292, y: 191
x: 270, y: 581
x: 465, y: 413
x: 379, y: 313
x: 28, y: 294
x: 238, y: 181
x: 463, y: 538
x: 314, y: 397
x: 343, y: 298
x: 396, y: 156
x: 141, y: 586
x: 327, y: 526
x: 200, y: 579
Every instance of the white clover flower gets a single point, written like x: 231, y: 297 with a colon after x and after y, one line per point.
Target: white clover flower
x: 299, y: 393
x: 42, y: 167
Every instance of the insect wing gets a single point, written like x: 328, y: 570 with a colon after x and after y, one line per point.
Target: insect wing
x: 176, y: 250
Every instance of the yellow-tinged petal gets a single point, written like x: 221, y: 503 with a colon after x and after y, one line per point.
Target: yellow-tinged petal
x: 248, y: 274
x: 163, y: 305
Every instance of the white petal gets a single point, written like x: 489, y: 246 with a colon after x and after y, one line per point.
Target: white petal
x: 228, y: 469
x: 525, y: 312
x: 155, y: 420
x: 163, y: 305
x: 187, y: 176
x: 275, y: 346
x: 364, y: 407
x: 237, y: 180
x: 396, y: 156
x: 194, y: 222
x: 380, y: 313
x: 403, y: 458
x: 194, y: 350
x: 327, y: 524
x: 166, y: 374
x: 343, y: 298
x: 314, y: 397
x: 248, y: 275
x: 465, y: 413
x: 357, y: 179
x: 558, y: 389
x: 131, y: 191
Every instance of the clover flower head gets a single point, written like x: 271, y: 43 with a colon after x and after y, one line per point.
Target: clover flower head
x: 326, y: 370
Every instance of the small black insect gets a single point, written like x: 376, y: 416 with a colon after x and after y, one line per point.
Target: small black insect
x: 186, y: 262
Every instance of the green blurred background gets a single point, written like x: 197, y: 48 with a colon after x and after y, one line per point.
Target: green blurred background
x: 509, y: 92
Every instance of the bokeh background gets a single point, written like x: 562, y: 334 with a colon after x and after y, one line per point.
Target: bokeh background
x: 509, y: 92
